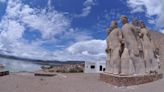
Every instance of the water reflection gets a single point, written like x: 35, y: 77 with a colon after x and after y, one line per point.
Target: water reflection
x: 14, y: 65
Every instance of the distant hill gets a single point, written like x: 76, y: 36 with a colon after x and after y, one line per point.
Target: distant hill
x: 158, y: 39
x: 41, y: 62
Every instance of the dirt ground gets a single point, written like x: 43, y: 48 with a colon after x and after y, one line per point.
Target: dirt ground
x: 75, y: 82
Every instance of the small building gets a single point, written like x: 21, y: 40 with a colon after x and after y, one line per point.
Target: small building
x: 2, y: 66
x: 94, y: 66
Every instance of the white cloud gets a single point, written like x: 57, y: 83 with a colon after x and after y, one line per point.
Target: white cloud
x: 162, y: 31
x: 138, y: 9
x: 91, y: 47
x: 151, y: 8
x: 151, y: 21
x: 88, y: 4
x: 13, y: 25
x: 77, y: 35
x: 12, y: 30
x: 50, y: 24
x: 91, y: 50
x: 136, y: 5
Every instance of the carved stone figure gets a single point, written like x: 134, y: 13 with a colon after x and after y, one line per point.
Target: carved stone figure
x: 132, y: 58
x: 113, y: 49
x: 136, y: 24
x: 131, y: 63
x: 130, y: 51
x: 157, y: 56
x: 148, y: 49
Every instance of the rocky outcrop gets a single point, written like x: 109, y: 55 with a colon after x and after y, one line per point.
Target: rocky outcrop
x: 158, y: 40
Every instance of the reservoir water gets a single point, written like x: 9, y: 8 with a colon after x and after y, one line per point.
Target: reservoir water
x: 14, y: 65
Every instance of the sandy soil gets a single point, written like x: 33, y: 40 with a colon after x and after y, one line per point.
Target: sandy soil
x: 75, y: 82
x: 27, y: 82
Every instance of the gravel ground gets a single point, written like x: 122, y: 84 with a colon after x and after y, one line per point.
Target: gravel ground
x: 77, y: 82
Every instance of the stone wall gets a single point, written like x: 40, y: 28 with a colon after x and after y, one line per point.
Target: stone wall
x: 129, y: 80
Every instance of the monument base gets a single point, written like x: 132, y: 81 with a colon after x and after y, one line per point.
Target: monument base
x: 118, y: 80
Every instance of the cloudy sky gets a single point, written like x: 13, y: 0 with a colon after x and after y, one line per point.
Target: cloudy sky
x: 68, y: 29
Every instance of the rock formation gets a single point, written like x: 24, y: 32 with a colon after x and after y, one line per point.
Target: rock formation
x: 158, y: 40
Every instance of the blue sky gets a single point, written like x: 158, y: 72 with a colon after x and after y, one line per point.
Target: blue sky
x: 68, y: 30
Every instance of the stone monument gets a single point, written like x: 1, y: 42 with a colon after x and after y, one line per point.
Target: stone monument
x: 132, y: 58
